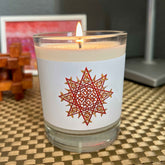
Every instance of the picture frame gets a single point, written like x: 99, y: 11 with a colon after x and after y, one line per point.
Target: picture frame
x: 21, y: 29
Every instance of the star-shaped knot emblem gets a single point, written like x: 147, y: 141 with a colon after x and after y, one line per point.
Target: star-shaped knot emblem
x: 86, y: 97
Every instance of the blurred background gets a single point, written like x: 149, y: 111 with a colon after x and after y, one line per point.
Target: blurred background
x: 127, y: 15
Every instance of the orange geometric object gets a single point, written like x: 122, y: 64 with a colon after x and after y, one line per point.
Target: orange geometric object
x: 86, y: 96
x: 12, y: 77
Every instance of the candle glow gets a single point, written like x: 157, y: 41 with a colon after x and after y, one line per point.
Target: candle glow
x: 79, y: 33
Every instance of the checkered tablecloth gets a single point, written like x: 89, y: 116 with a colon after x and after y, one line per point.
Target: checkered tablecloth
x: 141, y: 140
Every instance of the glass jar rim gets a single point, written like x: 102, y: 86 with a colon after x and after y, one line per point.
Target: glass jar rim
x: 94, y: 34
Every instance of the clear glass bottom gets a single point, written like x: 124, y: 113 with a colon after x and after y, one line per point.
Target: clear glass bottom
x: 86, y: 142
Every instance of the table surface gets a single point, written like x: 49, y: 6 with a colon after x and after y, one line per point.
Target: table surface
x: 141, y: 139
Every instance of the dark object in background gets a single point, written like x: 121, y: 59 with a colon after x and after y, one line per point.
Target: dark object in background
x: 148, y: 71
x: 12, y: 77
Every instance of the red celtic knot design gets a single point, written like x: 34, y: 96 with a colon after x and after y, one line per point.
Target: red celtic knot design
x: 86, y: 96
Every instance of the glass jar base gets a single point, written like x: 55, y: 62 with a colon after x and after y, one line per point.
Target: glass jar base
x: 82, y: 142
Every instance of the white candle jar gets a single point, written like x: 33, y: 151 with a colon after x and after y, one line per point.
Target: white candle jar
x: 81, y: 87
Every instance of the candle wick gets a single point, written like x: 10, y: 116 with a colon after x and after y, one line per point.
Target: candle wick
x: 79, y: 44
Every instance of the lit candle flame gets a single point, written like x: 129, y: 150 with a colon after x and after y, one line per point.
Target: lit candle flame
x: 79, y: 30
x: 79, y: 33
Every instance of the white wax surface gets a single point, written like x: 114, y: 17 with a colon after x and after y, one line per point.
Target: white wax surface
x: 88, y: 52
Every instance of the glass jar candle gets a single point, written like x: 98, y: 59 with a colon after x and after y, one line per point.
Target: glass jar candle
x: 81, y: 82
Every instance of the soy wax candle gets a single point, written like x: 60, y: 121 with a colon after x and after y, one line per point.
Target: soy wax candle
x: 81, y: 82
